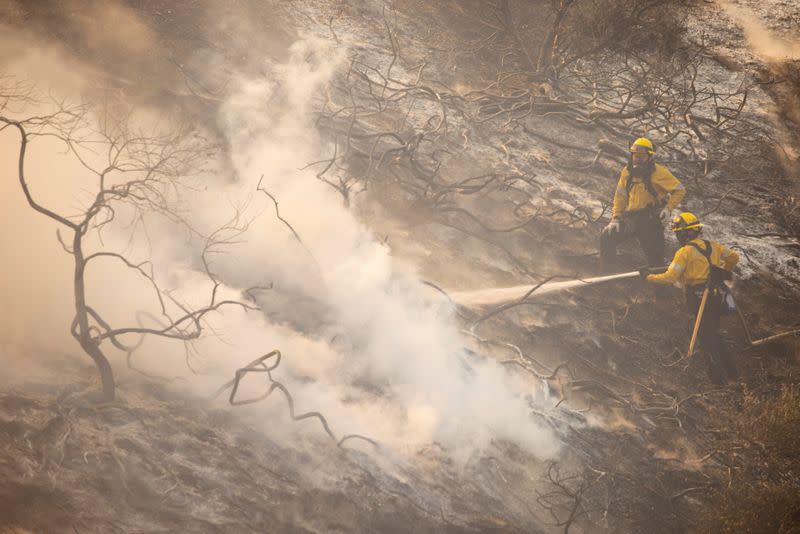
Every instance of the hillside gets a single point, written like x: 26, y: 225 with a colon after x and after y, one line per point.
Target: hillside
x: 344, y: 173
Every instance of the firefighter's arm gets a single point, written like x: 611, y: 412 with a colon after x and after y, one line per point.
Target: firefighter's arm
x: 671, y: 186
x: 620, y: 197
x: 673, y: 272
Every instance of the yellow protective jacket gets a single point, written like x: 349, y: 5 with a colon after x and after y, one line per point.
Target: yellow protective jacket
x: 689, y: 266
x: 663, y: 182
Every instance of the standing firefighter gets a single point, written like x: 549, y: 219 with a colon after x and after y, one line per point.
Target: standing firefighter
x: 645, y: 196
x: 698, y: 265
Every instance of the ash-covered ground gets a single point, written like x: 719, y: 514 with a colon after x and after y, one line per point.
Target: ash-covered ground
x: 362, y: 161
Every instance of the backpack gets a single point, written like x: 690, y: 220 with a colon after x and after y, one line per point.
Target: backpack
x: 717, y: 276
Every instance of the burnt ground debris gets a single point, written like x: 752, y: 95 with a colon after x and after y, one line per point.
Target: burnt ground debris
x: 649, y: 443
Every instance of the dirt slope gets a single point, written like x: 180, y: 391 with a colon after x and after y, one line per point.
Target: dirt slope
x: 648, y: 444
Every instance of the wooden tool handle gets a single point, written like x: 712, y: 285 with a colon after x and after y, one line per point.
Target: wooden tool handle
x: 697, y: 322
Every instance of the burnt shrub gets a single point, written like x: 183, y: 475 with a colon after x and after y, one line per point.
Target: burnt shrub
x: 764, y: 495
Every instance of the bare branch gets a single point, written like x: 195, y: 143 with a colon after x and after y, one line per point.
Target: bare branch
x: 260, y: 365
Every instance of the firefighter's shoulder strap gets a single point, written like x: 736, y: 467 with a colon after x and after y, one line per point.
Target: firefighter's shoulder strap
x: 704, y: 251
x: 646, y: 180
x: 716, y: 275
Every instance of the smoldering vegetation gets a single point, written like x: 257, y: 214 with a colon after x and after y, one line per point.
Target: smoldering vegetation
x: 317, y: 178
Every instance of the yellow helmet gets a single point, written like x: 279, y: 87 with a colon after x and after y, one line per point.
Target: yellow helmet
x: 643, y: 144
x: 686, y: 221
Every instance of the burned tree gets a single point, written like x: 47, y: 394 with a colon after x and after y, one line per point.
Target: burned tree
x: 129, y: 168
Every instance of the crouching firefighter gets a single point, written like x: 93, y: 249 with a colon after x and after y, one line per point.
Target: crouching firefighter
x: 698, y: 265
x: 644, y: 199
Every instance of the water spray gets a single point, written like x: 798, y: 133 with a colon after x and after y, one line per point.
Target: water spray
x: 502, y: 295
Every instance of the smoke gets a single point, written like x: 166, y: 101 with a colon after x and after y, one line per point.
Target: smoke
x: 780, y: 55
x: 35, y: 274
x: 362, y: 340
x: 385, y: 359
x: 764, y: 43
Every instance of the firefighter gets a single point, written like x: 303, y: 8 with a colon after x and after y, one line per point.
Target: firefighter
x: 699, y: 264
x: 644, y: 199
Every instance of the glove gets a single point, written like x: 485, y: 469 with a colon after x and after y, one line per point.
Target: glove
x: 644, y: 272
x: 612, y: 227
x: 665, y: 213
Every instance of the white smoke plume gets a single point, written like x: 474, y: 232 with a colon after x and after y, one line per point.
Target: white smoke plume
x: 362, y: 339
x: 385, y: 329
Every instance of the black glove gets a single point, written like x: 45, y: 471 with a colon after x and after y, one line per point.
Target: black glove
x: 718, y: 275
x: 643, y: 272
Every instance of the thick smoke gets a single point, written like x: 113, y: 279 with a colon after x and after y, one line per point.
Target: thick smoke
x: 386, y: 332
x: 363, y: 341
